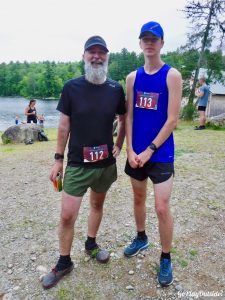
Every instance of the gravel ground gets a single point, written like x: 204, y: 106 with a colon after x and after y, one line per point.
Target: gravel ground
x: 30, y: 213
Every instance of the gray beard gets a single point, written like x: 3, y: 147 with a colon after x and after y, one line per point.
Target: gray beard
x: 96, y: 75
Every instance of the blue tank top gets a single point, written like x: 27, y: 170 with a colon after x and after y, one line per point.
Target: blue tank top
x: 150, y: 113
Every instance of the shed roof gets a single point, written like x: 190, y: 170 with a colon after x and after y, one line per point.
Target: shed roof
x: 215, y: 88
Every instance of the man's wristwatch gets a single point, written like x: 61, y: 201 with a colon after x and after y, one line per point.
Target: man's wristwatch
x: 59, y: 156
x: 152, y: 146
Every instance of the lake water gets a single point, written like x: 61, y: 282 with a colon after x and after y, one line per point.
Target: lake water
x: 10, y: 107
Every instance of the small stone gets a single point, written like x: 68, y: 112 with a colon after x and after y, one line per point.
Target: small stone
x: 33, y: 258
x: 10, y: 266
x: 131, y: 272
x: 41, y: 269
x: 19, y: 270
x: 138, y: 266
x: 179, y: 288
x: 10, y: 272
x: 86, y: 259
x: 129, y: 287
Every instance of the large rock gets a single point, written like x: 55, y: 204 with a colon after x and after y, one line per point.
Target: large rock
x: 218, y: 120
x: 21, y: 133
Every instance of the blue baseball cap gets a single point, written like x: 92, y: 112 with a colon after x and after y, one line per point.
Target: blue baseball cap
x: 95, y: 40
x: 152, y: 27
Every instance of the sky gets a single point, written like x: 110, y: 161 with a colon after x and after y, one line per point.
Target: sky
x: 39, y: 30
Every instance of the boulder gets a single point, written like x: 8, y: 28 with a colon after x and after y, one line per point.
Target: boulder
x: 218, y: 120
x: 22, y: 133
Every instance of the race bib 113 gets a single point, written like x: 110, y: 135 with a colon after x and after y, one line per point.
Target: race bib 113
x: 147, y: 100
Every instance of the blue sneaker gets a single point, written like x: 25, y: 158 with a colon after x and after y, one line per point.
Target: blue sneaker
x: 165, y: 276
x: 136, y: 246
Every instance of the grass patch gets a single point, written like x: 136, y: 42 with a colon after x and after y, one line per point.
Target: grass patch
x: 193, y: 252
x: 173, y: 250
x: 6, y: 140
x: 64, y: 294
x: 215, y: 127
x: 180, y: 152
x: 8, y: 150
x: 214, y: 205
x: 183, y: 263
x: 156, y: 269
x: 51, y: 133
x: 52, y: 226
x: 83, y: 291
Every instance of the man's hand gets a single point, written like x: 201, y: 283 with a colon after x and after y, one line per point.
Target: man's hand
x: 116, y: 151
x: 144, y: 156
x: 133, y: 159
x: 57, y: 168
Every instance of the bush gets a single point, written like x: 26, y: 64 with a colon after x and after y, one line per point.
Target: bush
x: 189, y: 112
x: 6, y: 140
x: 214, y: 126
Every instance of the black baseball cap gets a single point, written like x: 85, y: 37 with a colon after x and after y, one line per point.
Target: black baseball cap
x: 95, y: 40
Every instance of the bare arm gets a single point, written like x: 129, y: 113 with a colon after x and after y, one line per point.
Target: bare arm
x: 199, y: 93
x: 174, y: 84
x: 62, y: 138
x: 132, y: 156
x: 120, y: 136
x: 27, y: 113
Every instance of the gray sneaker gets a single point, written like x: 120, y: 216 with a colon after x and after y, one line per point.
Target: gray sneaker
x: 52, y: 278
x: 100, y: 255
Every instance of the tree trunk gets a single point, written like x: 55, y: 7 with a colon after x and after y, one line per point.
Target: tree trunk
x: 204, y: 41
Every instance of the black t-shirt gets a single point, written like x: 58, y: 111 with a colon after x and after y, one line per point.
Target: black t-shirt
x: 92, y: 109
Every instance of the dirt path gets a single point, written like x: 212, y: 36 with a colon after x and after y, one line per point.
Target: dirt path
x: 30, y: 213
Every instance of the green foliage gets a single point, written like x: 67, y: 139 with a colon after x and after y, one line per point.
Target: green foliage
x: 188, y: 112
x: 193, y: 252
x: 45, y: 79
x: 183, y: 263
x: 213, y: 62
x: 6, y: 140
x: 64, y: 294
x: 8, y: 149
x: 121, y: 64
x: 207, y: 22
x: 40, y: 80
x: 173, y: 250
x: 215, y: 126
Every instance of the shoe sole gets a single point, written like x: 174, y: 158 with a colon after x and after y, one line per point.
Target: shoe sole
x: 52, y: 285
x: 163, y: 284
x: 141, y: 249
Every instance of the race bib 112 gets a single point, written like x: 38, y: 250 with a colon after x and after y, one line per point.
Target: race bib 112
x: 95, y: 153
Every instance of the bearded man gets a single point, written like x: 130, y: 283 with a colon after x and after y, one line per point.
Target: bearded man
x: 88, y: 106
